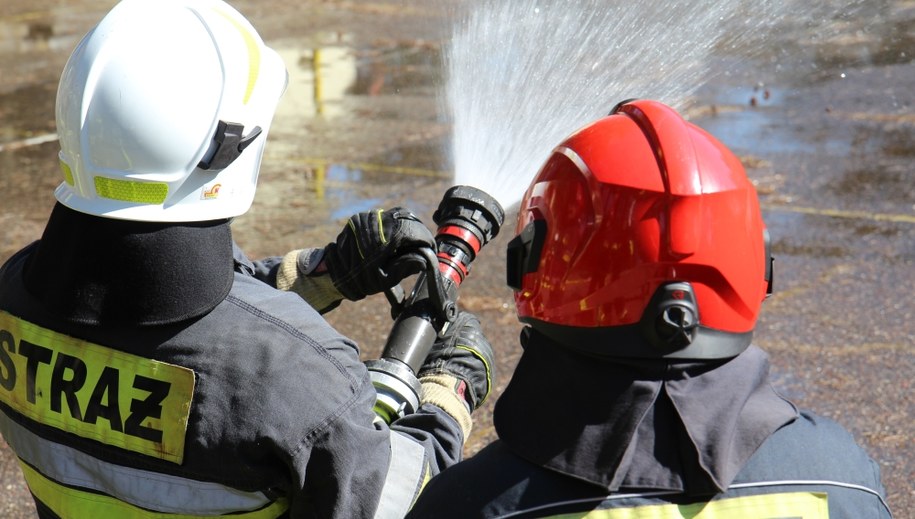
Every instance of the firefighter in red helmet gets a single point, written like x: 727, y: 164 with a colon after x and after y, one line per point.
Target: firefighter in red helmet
x: 639, y: 267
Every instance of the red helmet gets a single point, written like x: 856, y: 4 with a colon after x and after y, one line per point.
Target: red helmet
x: 641, y: 236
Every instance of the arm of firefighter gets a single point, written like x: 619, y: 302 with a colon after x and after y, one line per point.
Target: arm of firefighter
x: 367, y: 469
x: 263, y: 269
x: 458, y: 374
x: 303, y: 272
x: 300, y: 271
x: 375, y: 251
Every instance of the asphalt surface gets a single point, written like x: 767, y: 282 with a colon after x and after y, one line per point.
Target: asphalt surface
x: 822, y: 117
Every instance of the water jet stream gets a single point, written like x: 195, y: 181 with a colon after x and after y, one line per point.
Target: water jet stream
x: 523, y: 75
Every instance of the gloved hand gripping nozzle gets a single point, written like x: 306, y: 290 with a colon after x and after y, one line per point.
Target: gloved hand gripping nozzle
x: 467, y: 219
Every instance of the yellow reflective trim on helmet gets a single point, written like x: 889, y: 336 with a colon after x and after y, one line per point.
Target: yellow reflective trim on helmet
x: 70, y: 502
x: 802, y: 505
x: 127, y: 401
x: 131, y: 190
x: 68, y: 173
x: 254, y: 53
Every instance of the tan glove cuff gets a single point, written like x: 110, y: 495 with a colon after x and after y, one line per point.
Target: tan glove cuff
x: 439, y: 390
x: 319, y: 291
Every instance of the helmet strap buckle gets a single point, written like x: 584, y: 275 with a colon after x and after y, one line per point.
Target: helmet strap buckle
x: 671, y: 319
x: 523, y: 252
x: 230, y: 142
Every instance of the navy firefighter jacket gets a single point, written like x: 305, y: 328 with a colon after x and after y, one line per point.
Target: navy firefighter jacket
x: 631, y: 438
x: 165, y: 382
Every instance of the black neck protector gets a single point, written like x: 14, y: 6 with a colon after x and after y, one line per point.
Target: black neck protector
x: 101, y: 271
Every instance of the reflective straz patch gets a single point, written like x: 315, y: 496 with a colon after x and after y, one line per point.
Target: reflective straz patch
x: 95, y: 392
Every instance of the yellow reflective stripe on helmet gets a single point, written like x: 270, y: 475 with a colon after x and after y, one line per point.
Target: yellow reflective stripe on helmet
x: 95, y: 392
x: 131, y: 191
x: 801, y: 505
x: 68, y: 173
x: 254, y: 53
x: 69, y: 502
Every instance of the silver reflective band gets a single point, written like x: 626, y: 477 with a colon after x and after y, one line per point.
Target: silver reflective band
x: 150, y: 490
x: 588, y: 500
x: 405, y: 476
x: 808, y: 482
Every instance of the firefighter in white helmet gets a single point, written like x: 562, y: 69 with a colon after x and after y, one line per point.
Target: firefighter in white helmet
x: 147, y: 367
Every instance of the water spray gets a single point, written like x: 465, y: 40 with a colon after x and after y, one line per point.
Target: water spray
x: 523, y: 75
x: 467, y: 220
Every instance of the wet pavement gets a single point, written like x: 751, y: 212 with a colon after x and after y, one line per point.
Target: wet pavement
x: 822, y: 117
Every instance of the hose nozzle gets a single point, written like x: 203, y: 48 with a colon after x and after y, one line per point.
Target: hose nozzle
x: 467, y: 219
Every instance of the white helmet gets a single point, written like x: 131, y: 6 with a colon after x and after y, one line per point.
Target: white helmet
x: 163, y: 111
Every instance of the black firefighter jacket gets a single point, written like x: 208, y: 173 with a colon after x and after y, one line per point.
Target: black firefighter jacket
x: 649, y: 439
x: 165, y: 382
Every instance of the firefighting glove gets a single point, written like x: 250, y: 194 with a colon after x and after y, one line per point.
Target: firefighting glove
x: 459, y: 373
x: 301, y: 272
x: 377, y: 250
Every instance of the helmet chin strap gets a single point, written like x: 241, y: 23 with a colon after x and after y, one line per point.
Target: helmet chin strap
x: 229, y: 143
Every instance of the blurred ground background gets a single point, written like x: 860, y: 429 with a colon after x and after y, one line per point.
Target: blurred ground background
x: 828, y: 137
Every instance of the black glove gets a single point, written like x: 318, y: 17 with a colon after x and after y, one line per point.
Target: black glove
x: 464, y: 352
x: 376, y: 250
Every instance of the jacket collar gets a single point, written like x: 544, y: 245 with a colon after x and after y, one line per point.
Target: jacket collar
x: 639, y: 424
